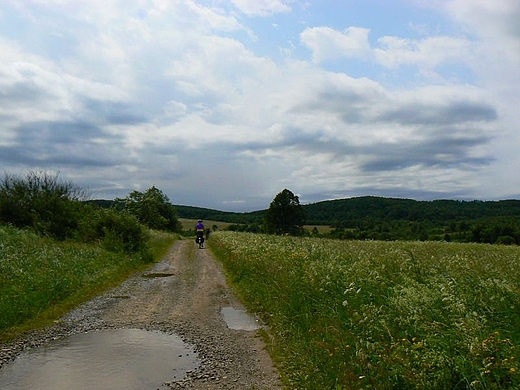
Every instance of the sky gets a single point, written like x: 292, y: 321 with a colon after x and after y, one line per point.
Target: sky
x: 224, y: 103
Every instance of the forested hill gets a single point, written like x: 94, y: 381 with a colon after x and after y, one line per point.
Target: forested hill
x: 391, y: 219
x: 192, y: 212
x: 393, y: 209
x: 369, y: 209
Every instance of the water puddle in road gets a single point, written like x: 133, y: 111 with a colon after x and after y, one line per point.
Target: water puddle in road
x: 105, y: 359
x: 239, y: 319
x: 157, y: 275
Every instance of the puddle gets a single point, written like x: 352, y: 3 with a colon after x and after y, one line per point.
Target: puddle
x: 239, y: 319
x: 157, y: 275
x: 107, y: 359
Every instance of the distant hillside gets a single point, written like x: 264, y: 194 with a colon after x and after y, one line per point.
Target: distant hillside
x: 367, y: 208
x: 393, y: 209
x: 378, y: 218
x: 492, y: 222
x: 191, y: 212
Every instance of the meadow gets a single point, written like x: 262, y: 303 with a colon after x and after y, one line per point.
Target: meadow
x: 41, y: 278
x: 382, y: 315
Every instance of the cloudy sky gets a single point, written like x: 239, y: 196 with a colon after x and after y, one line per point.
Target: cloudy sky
x: 224, y: 103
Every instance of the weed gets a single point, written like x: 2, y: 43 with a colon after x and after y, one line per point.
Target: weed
x: 382, y: 315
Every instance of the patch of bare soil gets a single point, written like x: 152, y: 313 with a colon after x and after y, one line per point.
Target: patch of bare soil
x: 182, y: 294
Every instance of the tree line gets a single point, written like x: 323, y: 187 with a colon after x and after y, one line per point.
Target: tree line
x: 44, y: 203
x: 406, y: 219
x: 378, y: 218
x: 51, y: 207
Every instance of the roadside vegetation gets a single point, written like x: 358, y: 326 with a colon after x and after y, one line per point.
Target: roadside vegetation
x: 57, y: 250
x: 382, y: 315
x: 41, y: 278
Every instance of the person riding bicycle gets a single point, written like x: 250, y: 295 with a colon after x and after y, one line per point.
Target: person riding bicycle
x: 199, y: 231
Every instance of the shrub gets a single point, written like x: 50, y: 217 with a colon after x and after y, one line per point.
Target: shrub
x: 152, y: 208
x: 117, y: 231
x: 41, y: 202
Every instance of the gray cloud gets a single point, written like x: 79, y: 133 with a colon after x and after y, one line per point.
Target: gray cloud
x: 114, y: 113
x: 443, y: 153
x: 177, y: 95
x: 61, y: 144
x: 442, y: 114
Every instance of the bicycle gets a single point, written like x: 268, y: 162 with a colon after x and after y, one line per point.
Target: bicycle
x: 200, y: 240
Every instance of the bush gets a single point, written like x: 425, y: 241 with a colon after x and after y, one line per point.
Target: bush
x: 152, y: 208
x: 506, y: 240
x: 117, y: 231
x: 41, y: 202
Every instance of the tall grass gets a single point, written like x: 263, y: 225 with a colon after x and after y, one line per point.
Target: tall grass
x: 382, y: 315
x: 38, y: 274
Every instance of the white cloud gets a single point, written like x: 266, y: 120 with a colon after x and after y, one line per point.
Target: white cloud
x: 151, y: 89
x: 392, y: 52
x: 496, y: 30
x: 329, y: 44
x: 262, y: 7
x: 429, y: 52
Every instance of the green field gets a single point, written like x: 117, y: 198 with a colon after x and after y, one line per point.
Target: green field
x: 382, y: 315
x: 188, y: 224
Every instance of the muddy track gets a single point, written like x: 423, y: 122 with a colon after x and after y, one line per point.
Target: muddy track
x: 182, y: 294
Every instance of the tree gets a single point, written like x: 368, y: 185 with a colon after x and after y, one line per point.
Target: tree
x: 285, y: 215
x: 152, y: 208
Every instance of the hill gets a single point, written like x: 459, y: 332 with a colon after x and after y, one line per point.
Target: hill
x: 392, y: 209
x: 405, y: 219
x: 380, y: 218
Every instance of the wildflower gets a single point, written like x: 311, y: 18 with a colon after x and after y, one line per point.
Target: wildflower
x: 512, y: 370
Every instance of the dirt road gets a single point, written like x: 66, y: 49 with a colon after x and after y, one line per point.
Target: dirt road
x: 182, y: 294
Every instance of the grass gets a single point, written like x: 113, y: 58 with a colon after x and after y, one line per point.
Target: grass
x: 41, y: 279
x: 382, y: 315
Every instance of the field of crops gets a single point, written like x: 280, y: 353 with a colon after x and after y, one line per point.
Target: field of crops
x: 382, y: 315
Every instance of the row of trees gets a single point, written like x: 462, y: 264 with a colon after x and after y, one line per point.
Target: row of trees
x: 60, y: 209
x: 52, y: 207
x: 42, y: 202
x: 377, y: 218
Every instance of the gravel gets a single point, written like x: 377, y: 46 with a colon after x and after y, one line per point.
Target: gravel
x: 183, y: 295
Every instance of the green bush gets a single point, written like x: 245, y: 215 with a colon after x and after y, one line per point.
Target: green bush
x: 117, y: 231
x: 41, y: 202
x: 152, y: 208
x: 54, y: 208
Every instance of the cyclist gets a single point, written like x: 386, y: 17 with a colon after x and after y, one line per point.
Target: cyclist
x: 199, y: 231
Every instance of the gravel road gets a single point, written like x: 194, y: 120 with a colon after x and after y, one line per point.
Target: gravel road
x: 183, y: 294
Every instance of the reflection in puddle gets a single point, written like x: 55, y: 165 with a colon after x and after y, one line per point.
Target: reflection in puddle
x: 107, y: 359
x: 238, y: 319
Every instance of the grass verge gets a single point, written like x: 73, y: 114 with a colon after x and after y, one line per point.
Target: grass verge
x: 382, y: 315
x: 41, y: 279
